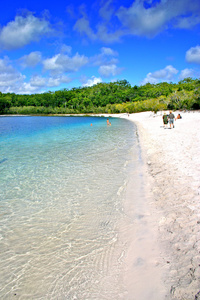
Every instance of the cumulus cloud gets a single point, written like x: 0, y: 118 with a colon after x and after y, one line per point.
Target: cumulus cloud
x: 92, y: 81
x: 22, y: 31
x: 166, y: 74
x: 187, y: 22
x: 12, y: 81
x: 109, y: 36
x: 56, y: 68
x: 108, y: 51
x: 193, y: 55
x: 142, y: 18
x: 107, y: 10
x: 37, y: 81
x: 83, y: 27
x: 31, y: 60
x: 58, y: 80
x: 9, y: 76
x: 63, y: 63
x: 152, y: 20
x: 66, y: 49
x: 26, y: 88
x: 186, y: 73
x: 104, y: 30
x: 109, y: 70
x: 141, y: 21
x: 107, y: 56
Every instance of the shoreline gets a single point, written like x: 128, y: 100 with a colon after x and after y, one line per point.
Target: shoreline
x: 170, y: 268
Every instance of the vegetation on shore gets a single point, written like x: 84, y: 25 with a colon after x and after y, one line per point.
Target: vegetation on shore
x: 113, y: 97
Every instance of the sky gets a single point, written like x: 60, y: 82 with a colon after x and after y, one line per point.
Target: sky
x: 54, y: 45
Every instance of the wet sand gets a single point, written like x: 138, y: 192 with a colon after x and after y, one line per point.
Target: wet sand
x: 163, y: 261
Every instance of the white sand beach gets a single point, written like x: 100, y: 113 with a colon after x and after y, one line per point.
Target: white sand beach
x: 164, y: 260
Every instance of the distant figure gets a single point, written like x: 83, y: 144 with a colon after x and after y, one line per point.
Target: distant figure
x: 108, y: 122
x: 165, y: 120
x: 91, y: 124
x: 179, y: 116
x: 171, y: 118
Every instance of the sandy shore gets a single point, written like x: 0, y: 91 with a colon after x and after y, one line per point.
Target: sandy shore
x: 167, y: 257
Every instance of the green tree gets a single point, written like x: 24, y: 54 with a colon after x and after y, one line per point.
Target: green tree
x: 5, y: 103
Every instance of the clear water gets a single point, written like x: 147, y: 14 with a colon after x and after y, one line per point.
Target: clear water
x: 62, y: 187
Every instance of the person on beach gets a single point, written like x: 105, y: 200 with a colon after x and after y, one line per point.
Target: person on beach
x: 165, y: 120
x: 171, y: 118
x: 108, y: 122
x: 179, y: 116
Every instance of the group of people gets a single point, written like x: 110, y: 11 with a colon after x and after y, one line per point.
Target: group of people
x: 170, y: 118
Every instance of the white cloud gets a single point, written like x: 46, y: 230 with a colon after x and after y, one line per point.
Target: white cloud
x: 9, y: 77
x: 150, y: 21
x: 165, y: 74
x: 12, y: 81
x: 108, y: 70
x: 106, y: 11
x: 83, y: 27
x: 105, y: 57
x: 108, y: 51
x: 193, y: 55
x: 141, y: 21
x: 104, y: 30
x: 94, y: 80
x: 187, y: 22
x: 26, y: 88
x: 138, y: 19
x: 109, y: 35
x: 66, y: 49
x: 37, y: 81
x: 63, y: 63
x: 57, y: 81
x: 186, y: 73
x: 22, y: 31
x: 31, y: 60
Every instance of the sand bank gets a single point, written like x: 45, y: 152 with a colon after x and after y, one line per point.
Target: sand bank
x: 167, y: 257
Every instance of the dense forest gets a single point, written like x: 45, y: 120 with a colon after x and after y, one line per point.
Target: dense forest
x: 113, y: 97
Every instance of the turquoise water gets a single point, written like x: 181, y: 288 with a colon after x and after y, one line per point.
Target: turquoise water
x: 62, y: 187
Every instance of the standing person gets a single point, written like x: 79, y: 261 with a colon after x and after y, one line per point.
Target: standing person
x: 108, y: 122
x: 165, y: 120
x: 171, y: 119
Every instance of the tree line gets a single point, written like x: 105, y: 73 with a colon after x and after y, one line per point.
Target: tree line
x: 113, y: 97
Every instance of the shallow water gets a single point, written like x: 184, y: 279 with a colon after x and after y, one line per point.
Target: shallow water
x: 62, y: 187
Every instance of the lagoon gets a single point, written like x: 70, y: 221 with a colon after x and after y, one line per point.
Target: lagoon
x: 62, y: 190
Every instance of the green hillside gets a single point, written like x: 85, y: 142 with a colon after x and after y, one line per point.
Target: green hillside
x: 113, y: 97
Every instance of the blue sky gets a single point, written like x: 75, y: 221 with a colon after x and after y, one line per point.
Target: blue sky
x: 48, y: 46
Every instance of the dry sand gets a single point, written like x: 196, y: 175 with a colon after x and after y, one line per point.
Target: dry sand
x: 163, y: 261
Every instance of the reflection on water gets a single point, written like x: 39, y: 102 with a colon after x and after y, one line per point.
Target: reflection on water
x: 62, y: 185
